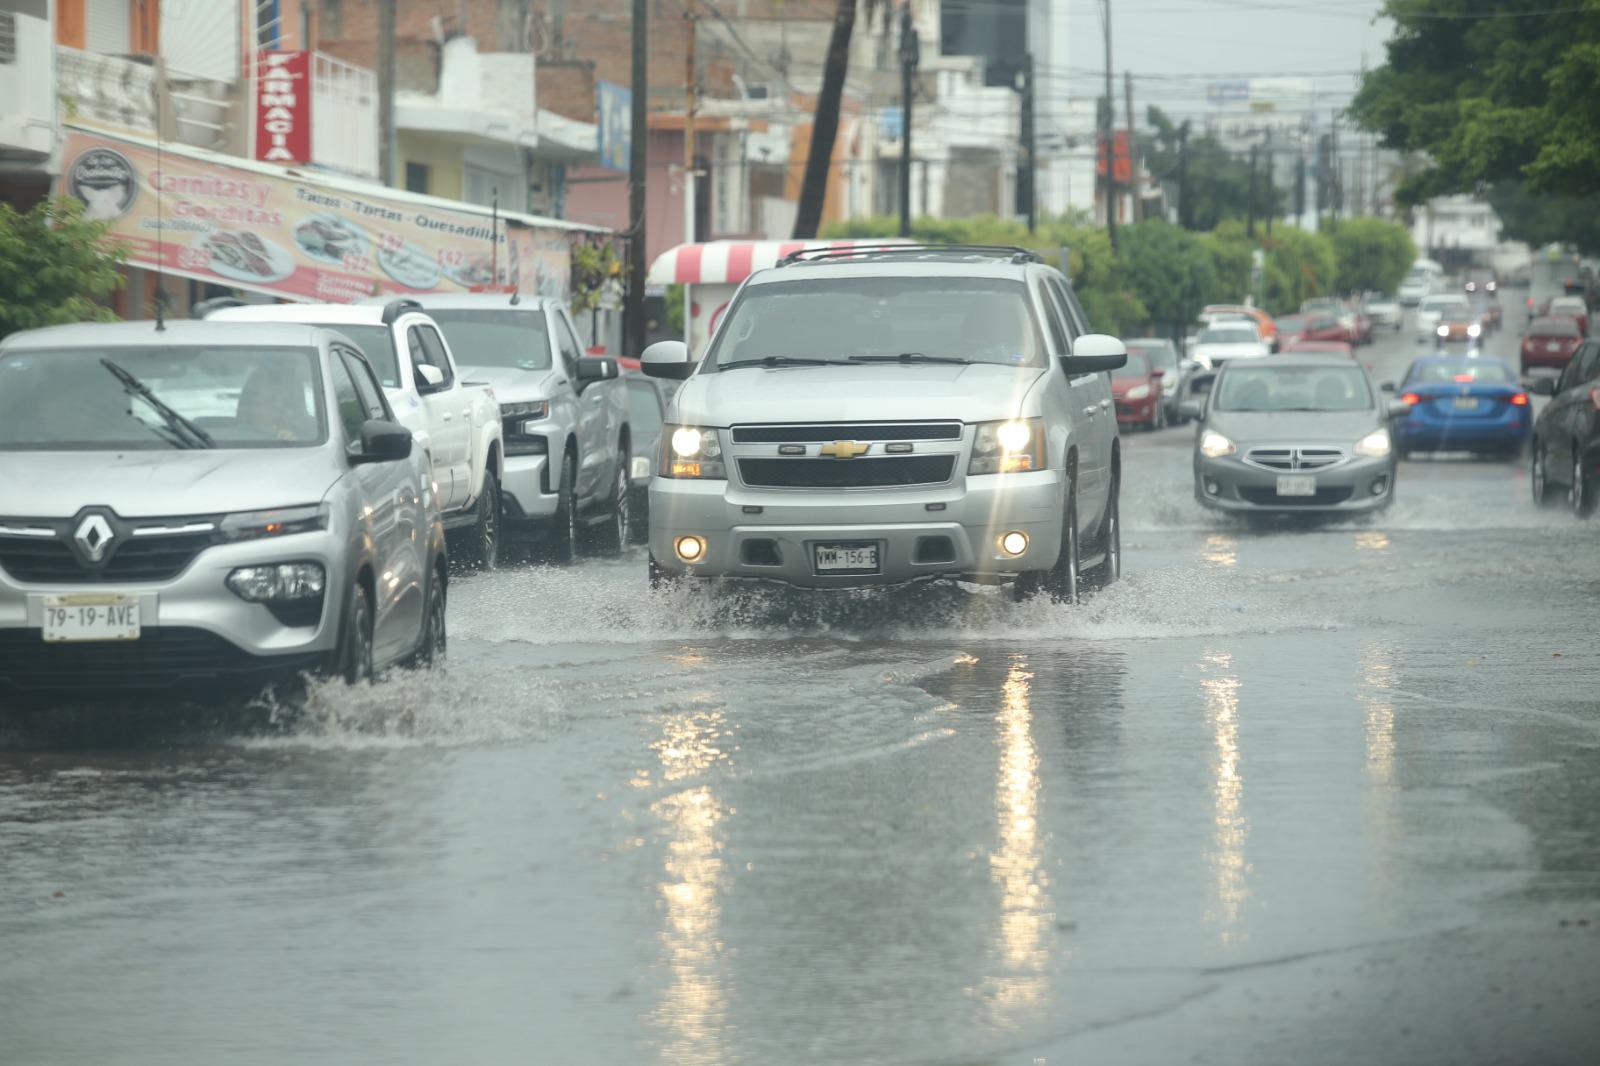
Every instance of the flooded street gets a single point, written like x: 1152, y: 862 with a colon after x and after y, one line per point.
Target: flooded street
x: 1281, y: 795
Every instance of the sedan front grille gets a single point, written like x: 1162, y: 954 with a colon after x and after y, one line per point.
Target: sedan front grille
x: 1295, y: 458
x: 142, y: 556
x: 821, y: 433
x: 847, y: 473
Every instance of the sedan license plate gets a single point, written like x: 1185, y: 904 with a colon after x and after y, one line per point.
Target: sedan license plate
x: 847, y: 558
x: 1466, y: 403
x: 91, y: 616
x: 1297, y: 485
x: 1552, y: 346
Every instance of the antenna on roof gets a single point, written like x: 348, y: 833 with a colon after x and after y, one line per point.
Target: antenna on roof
x: 494, y: 237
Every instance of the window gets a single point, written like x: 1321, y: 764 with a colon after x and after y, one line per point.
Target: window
x: 1576, y: 371
x: 352, y: 414
x: 8, y: 37
x: 417, y: 177
x: 434, y: 354
x: 644, y: 407
x: 333, y: 27
x: 506, y: 338
x: 371, y: 395
x: 1053, y: 318
x: 571, y: 351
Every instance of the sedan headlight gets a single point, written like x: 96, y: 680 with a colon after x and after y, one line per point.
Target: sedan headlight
x: 1474, y: 329
x: 1139, y: 392
x: 1375, y: 445
x: 1443, y: 331
x: 1214, y: 445
x: 1007, y: 447
x: 254, y: 525
x: 692, y: 452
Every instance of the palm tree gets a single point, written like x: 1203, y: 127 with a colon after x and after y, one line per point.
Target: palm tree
x: 825, y: 123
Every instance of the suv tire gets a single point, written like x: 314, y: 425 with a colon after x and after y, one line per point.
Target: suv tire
x: 1109, y: 543
x: 1061, y: 581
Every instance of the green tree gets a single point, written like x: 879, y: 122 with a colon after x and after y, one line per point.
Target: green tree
x: 1299, y: 265
x: 54, y: 267
x: 1490, y: 95
x: 1539, y: 220
x: 1171, y: 270
x: 1372, y: 254
x: 1231, y: 262
x: 1215, y: 182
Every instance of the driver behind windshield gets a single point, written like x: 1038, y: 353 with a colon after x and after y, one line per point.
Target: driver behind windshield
x: 273, y: 404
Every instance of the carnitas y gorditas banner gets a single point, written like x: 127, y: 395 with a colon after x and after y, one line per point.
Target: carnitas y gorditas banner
x: 289, y: 234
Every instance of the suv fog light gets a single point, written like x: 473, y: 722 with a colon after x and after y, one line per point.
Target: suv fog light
x: 1014, y: 543
x: 690, y: 548
x: 1212, y: 488
x: 1380, y: 486
x: 282, y: 583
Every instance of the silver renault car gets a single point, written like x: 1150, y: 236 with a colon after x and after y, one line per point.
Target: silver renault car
x: 1294, y: 434
x: 876, y: 416
x: 206, y: 506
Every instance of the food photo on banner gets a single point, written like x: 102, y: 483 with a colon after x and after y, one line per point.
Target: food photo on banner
x: 299, y: 236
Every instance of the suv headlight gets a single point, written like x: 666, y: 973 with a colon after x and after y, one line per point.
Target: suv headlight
x: 1214, y: 445
x: 1006, y: 447
x: 692, y: 452
x: 1374, y: 444
x: 254, y: 525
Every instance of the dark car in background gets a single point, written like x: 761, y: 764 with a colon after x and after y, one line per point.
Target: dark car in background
x: 1480, y: 279
x: 1458, y: 325
x: 1462, y: 403
x: 1549, y: 343
x: 1566, y: 438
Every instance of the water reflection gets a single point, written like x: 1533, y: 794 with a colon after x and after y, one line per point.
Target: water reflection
x: 1220, y: 550
x: 1383, y: 795
x: 692, y: 1012
x: 1231, y: 829
x: 1016, y: 867
x: 1372, y: 541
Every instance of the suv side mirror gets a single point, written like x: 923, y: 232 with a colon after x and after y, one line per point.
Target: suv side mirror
x: 1191, y: 409
x: 593, y: 368
x: 383, y: 442
x: 667, y: 359
x: 1095, y: 353
x: 1387, y: 386
x: 428, y: 376
x: 1542, y: 386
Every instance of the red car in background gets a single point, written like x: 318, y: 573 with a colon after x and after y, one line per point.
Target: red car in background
x: 1290, y: 329
x: 1136, y: 389
x: 1327, y: 347
x: 1549, y: 343
x: 1325, y: 326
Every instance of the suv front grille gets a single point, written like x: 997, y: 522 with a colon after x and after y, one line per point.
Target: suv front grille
x: 823, y: 432
x: 847, y: 473
x: 1295, y: 458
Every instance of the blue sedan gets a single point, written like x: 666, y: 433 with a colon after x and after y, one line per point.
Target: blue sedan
x: 1463, y: 403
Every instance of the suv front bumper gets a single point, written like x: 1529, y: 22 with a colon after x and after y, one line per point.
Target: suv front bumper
x: 194, y: 632
x: 948, y: 530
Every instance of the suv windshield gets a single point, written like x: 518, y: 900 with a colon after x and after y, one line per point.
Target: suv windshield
x: 377, y: 344
x: 96, y: 400
x: 1293, y: 388
x: 1228, y: 336
x: 511, y: 338
x: 841, y: 319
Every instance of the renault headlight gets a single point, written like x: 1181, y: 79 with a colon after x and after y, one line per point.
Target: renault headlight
x: 692, y: 452
x: 1474, y: 329
x: 1214, y: 445
x: 1375, y: 445
x: 1007, y: 447
x: 1443, y: 331
x: 254, y: 525
x: 1139, y: 392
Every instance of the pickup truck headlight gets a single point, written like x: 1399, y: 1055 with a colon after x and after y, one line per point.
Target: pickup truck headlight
x: 692, y: 452
x: 518, y: 424
x: 254, y: 525
x: 1375, y: 444
x: 1214, y: 445
x: 1006, y: 447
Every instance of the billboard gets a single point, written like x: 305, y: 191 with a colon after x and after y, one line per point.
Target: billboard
x: 997, y: 30
x: 615, y: 127
x: 255, y: 228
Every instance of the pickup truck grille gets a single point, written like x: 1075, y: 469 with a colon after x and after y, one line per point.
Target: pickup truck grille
x: 822, y: 432
x: 51, y: 560
x: 847, y: 473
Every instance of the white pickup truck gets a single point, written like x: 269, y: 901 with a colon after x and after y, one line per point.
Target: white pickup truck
x: 457, y: 422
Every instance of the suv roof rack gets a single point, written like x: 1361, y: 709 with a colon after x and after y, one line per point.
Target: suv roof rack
x: 918, y: 249
x: 395, y: 308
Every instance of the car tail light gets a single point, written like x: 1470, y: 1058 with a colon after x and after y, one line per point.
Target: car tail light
x: 1411, y: 398
x: 1519, y: 399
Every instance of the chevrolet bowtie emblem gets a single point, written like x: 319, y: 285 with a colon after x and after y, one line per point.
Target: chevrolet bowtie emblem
x: 845, y: 449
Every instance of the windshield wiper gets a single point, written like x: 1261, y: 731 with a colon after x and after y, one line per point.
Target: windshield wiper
x: 778, y: 360
x: 182, y: 429
x: 911, y: 357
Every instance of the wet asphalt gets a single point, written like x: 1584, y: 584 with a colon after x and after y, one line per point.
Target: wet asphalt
x: 1312, y: 794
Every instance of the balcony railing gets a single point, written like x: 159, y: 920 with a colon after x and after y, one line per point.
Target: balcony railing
x: 344, y: 117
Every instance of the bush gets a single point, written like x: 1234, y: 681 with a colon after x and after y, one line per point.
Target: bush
x: 54, y: 267
x: 1372, y: 254
x: 1171, y: 270
x: 1299, y: 265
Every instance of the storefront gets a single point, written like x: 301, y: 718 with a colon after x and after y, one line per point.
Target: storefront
x: 225, y: 224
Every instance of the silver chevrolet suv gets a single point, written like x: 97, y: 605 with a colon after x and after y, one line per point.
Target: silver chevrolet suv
x: 206, y: 506
x: 877, y: 415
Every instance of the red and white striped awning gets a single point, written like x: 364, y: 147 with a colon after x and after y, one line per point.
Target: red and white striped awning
x: 730, y: 262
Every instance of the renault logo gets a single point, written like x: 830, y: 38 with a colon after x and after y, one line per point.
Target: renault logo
x: 845, y: 449
x: 94, y: 537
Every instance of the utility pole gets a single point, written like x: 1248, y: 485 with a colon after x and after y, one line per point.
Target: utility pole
x: 689, y: 234
x: 1337, y: 191
x: 1184, y: 215
x: 386, y: 147
x: 1111, y: 152
x: 1300, y: 189
x: 910, y: 58
x: 1272, y: 192
x: 1027, y: 168
x: 1250, y: 226
x: 1133, y: 154
x: 633, y: 311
